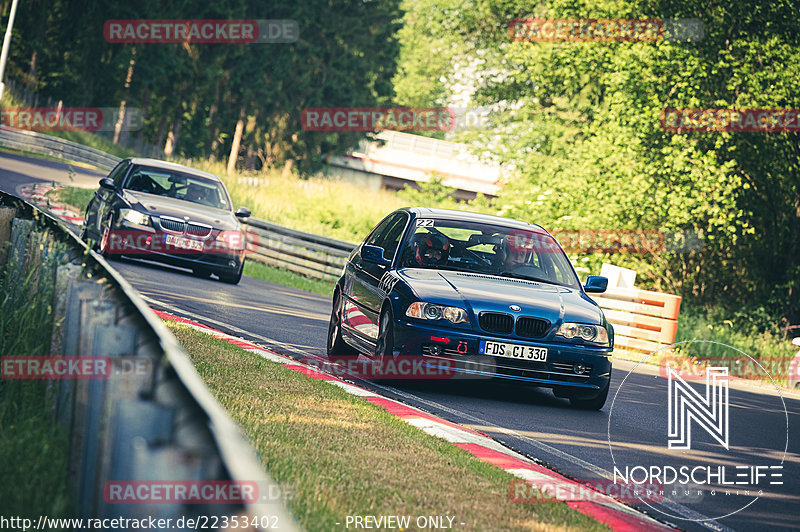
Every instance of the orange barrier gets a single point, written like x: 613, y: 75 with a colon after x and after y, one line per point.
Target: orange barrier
x: 643, y: 321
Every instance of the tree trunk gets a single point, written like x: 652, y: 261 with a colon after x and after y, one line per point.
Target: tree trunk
x: 287, y: 168
x: 175, y: 129
x: 124, y: 102
x: 237, y: 141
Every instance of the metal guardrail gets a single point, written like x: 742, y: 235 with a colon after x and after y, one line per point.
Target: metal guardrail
x: 152, y: 419
x: 31, y: 141
x: 304, y: 253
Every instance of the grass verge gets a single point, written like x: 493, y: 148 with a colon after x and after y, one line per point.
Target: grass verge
x: 34, y: 448
x: 284, y: 277
x: 73, y: 196
x: 341, y: 455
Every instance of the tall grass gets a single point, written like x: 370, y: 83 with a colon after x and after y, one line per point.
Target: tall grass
x: 322, y: 205
x: 34, y: 448
x: 733, y: 339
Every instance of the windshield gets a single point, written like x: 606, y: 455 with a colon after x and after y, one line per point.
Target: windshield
x: 187, y: 187
x: 489, y: 249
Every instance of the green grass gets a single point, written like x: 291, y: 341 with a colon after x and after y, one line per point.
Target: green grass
x: 74, y: 196
x: 339, y: 455
x: 770, y: 348
x: 727, y: 341
x: 87, y: 138
x: 284, y: 277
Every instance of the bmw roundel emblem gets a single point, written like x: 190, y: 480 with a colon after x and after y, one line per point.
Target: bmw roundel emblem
x: 515, y: 308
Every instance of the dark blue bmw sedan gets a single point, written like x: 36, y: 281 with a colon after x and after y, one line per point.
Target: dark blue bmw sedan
x: 455, y: 294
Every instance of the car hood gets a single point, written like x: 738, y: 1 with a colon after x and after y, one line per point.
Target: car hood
x: 479, y: 292
x: 163, y: 206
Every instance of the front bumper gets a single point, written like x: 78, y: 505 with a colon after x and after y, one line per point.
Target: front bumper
x: 137, y: 242
x: 458, y: 350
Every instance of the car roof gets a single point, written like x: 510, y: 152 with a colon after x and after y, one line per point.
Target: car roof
x: 449, y: 214
x: 166, y: 165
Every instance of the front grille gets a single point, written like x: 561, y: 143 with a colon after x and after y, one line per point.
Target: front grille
x: 197, y: 230
x: 532, y: 327
x: 495, y: 322
x: 172, y: 225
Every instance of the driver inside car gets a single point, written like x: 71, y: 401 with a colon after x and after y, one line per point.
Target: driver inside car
x: 428, y: 249
x: 195, y: 193
x: 511, y: 256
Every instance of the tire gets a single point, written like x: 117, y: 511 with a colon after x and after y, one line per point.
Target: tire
x: 231, y: 278
x: 384, y: 346
x: 337, y: 349
x: 595, y: 403
x: 201, y: 272
x: 85, y: 236
x: 105, y: 237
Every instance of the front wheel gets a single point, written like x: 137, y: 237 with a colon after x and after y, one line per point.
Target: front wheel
x: 595, y: 403
x: 104, y: 247
x: 231, y: 278
x: 384, y: 347
x: 337, y: 348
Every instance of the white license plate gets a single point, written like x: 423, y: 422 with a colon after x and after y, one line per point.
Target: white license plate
x: 183, y: 243
x: 522, y: 352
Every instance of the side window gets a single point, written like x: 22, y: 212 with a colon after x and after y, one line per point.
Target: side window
x: 388, y: 234
x: 118, y: 173
x: 392, y: 238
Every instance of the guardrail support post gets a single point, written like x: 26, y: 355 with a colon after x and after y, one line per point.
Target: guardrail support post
x: 6, y: 215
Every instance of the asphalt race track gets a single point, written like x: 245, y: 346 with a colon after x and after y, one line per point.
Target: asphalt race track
x: 531, y: 421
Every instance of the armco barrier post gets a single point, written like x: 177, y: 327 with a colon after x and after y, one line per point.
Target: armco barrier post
x: 6, y: 216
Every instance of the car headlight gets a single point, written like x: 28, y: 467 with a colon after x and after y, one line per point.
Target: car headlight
x: 430, y: 311
x: 134, y: 217
x: 235, y: 240
x: 596, y: 334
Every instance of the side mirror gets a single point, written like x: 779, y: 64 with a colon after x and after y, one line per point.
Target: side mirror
x: 374, y: 254
x: 595, y: 284
x: 108, y: 183
x: 242, y: 212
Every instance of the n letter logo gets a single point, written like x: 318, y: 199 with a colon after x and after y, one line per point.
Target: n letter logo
x: 684, y: 404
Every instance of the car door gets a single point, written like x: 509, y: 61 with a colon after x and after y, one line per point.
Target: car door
x: 365, y: 293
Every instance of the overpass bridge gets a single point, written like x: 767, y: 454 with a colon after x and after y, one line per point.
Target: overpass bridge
x: 397, y: 159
